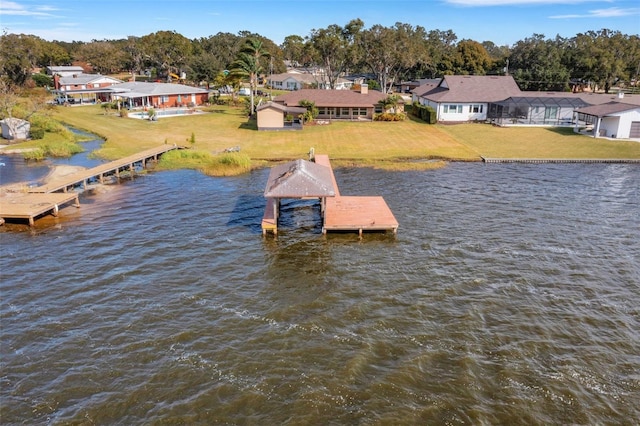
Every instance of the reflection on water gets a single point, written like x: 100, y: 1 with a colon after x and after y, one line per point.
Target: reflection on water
x: 509, y: 296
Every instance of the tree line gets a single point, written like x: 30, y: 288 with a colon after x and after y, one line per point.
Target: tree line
x: 384, y: 54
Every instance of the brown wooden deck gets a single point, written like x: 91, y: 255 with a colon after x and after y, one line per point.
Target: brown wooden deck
x: 42, y: 199
x: 359, y: 213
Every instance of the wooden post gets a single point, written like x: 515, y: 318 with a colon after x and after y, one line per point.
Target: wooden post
x: 55, y: 210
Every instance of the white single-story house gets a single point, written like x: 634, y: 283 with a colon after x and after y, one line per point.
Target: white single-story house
x: 15, y: 128
x: 612, y: 119
x: 274, y: 116
x: 299, y: 81
x: 499, y: 100
x: 459, y: 98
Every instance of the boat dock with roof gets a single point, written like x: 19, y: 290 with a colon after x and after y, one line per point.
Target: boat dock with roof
x: 315, y: 179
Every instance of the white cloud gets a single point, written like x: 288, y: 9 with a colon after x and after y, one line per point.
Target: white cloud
x: 481, y: 3
x: 15, y: 9
x: 612, y: 12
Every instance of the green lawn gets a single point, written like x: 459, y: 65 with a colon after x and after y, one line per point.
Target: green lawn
x: 381, y: 144
x: 536, y: 142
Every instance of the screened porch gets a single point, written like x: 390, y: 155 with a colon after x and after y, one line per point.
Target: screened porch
x: 543, y: 111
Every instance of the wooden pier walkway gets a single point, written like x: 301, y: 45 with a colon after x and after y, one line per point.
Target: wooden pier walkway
x: 48, y: 198
x: 99, y: 172
x: 339, y: 212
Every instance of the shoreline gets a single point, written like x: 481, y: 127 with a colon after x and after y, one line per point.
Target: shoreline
x: 56, y: 172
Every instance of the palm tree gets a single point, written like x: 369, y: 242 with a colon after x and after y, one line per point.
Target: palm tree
x: 247, y: 64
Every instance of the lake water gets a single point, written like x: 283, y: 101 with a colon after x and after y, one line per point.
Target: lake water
x: 511, y: 295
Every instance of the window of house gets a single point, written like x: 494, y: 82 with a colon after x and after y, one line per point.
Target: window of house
x: 361, y: 111
x: 164, y: 99
x: 452, y: 109
x: 344, y: 111
x: 322, y: 111
x: 550, y: 113
x: 475, y: 108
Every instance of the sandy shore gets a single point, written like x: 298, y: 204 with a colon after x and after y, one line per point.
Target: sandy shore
x: 56, y: 172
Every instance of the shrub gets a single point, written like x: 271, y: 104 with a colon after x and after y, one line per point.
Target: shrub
x: 388, y: 116
x: 124, y: 113
x: 312, y: 110
x: 62, y: 149
x: 227, y: 164
x: 47, y: 123
x: 42, y: 80
x: 37, y: 154
x: 423, y: 112
x: 36, y: 132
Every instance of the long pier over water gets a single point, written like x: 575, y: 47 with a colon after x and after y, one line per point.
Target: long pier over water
x: 49, y: 197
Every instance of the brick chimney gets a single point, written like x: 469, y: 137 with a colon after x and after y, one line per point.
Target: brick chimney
x: 56, y: 81
x: 364, y: 89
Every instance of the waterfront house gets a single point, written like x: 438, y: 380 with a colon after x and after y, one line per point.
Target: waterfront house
x: 354, y: 105
x: 461, y: 98
x: 499, y: 100
x: 158, y: 95
x: 82, y: 88
x: 612, y: 119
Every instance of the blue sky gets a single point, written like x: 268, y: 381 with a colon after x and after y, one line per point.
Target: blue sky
x: 500, y: 21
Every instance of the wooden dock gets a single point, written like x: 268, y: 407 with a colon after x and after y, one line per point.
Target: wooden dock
x: 48, y: 198
x: 29, y: 206
x: 355, y: 213
x: 100, y: 172
x: 340, y: 213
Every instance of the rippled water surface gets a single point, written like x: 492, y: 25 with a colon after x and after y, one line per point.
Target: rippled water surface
x: 509, y: 296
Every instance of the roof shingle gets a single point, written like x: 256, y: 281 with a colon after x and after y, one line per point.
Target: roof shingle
x: 332, y: 98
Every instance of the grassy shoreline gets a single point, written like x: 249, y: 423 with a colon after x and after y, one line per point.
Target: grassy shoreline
x: 408, y: 145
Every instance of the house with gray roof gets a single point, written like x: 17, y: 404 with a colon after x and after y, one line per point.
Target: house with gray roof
x: 460, y: 98
x: 158, y: 95
x: 612, y: 119
x: 499, y: 100
x: 82, y: 88
x: 298, y: 81
x: 64, y: 70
